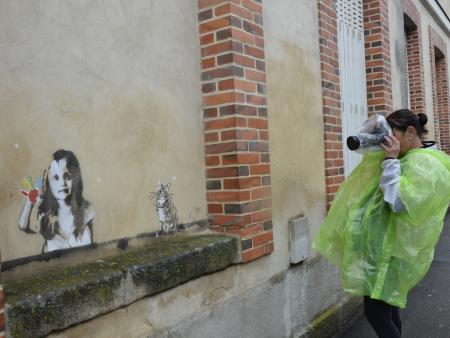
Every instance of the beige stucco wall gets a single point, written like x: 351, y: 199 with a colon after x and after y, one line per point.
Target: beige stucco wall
x: 398, y: 55
x: 118, y: 84
x: 296, y: 117
x: 298, y: 187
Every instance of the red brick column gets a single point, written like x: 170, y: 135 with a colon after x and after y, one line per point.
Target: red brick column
x: 378, y: 60
x: 414, y: 57
x: 331, y: 97
x: 2, y: 306
x: 439, y: 72
x: 235, y: 122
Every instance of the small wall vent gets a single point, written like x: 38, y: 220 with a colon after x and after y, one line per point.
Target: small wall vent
x: 299, y: 239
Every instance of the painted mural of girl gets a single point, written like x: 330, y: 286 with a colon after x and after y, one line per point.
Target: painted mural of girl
x: 64, y: 217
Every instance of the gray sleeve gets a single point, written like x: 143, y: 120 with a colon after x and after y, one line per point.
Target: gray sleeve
x: 389, y: 184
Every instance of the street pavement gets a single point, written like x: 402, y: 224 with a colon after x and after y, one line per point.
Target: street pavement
x: 427, y: 313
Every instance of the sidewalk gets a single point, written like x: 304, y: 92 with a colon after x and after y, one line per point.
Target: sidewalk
x: 428, y: 308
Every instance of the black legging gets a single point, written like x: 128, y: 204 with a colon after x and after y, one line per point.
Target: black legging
x: 384, y: 318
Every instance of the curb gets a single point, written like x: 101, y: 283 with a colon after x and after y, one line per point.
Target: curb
x: 333, y: 321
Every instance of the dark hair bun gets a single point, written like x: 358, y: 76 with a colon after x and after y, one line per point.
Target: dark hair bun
x: 423, y: 119
x: 403, y: 118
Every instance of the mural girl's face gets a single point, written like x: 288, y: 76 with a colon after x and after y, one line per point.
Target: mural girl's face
x: 60, y: 179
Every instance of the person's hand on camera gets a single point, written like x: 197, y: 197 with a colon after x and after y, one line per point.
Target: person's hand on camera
x: 391, y: 146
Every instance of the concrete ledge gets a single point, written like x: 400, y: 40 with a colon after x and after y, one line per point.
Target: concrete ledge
x: 57, y: 299
x: 332, y: 322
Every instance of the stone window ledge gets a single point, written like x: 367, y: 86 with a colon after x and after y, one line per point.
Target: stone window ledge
x: 57, y: 299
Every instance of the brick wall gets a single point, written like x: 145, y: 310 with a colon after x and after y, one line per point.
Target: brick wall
x: 235, y: 122
x: 414, y: 57
x: 438, y: 57
x: 378, y: 60
x: 329, y: 63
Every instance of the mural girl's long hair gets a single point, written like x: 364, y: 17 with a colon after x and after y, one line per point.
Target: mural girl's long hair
x: 48, y: 208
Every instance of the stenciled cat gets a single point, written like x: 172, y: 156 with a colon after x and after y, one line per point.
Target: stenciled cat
x: 167, y: 213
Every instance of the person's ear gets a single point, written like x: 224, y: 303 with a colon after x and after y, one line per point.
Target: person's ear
x: 411, y: 132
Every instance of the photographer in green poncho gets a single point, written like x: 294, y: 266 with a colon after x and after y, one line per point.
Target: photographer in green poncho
x: 386, y: 219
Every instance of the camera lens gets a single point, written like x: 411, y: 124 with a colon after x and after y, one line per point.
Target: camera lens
x: 353, y: 142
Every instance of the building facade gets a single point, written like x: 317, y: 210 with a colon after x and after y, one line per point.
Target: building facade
x: 243, y: 106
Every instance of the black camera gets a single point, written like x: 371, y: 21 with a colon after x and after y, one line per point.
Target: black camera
x: 370, y: 135
x: 364, y: 140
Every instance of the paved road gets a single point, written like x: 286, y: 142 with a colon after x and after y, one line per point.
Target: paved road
x: 427, y: 313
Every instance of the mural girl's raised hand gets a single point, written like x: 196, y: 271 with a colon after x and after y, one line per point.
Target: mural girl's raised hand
x: 32, y: 190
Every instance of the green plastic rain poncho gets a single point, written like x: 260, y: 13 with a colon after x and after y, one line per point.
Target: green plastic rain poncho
x: 383, y: 254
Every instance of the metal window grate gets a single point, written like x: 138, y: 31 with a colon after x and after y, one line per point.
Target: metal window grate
x: 350, y: 12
